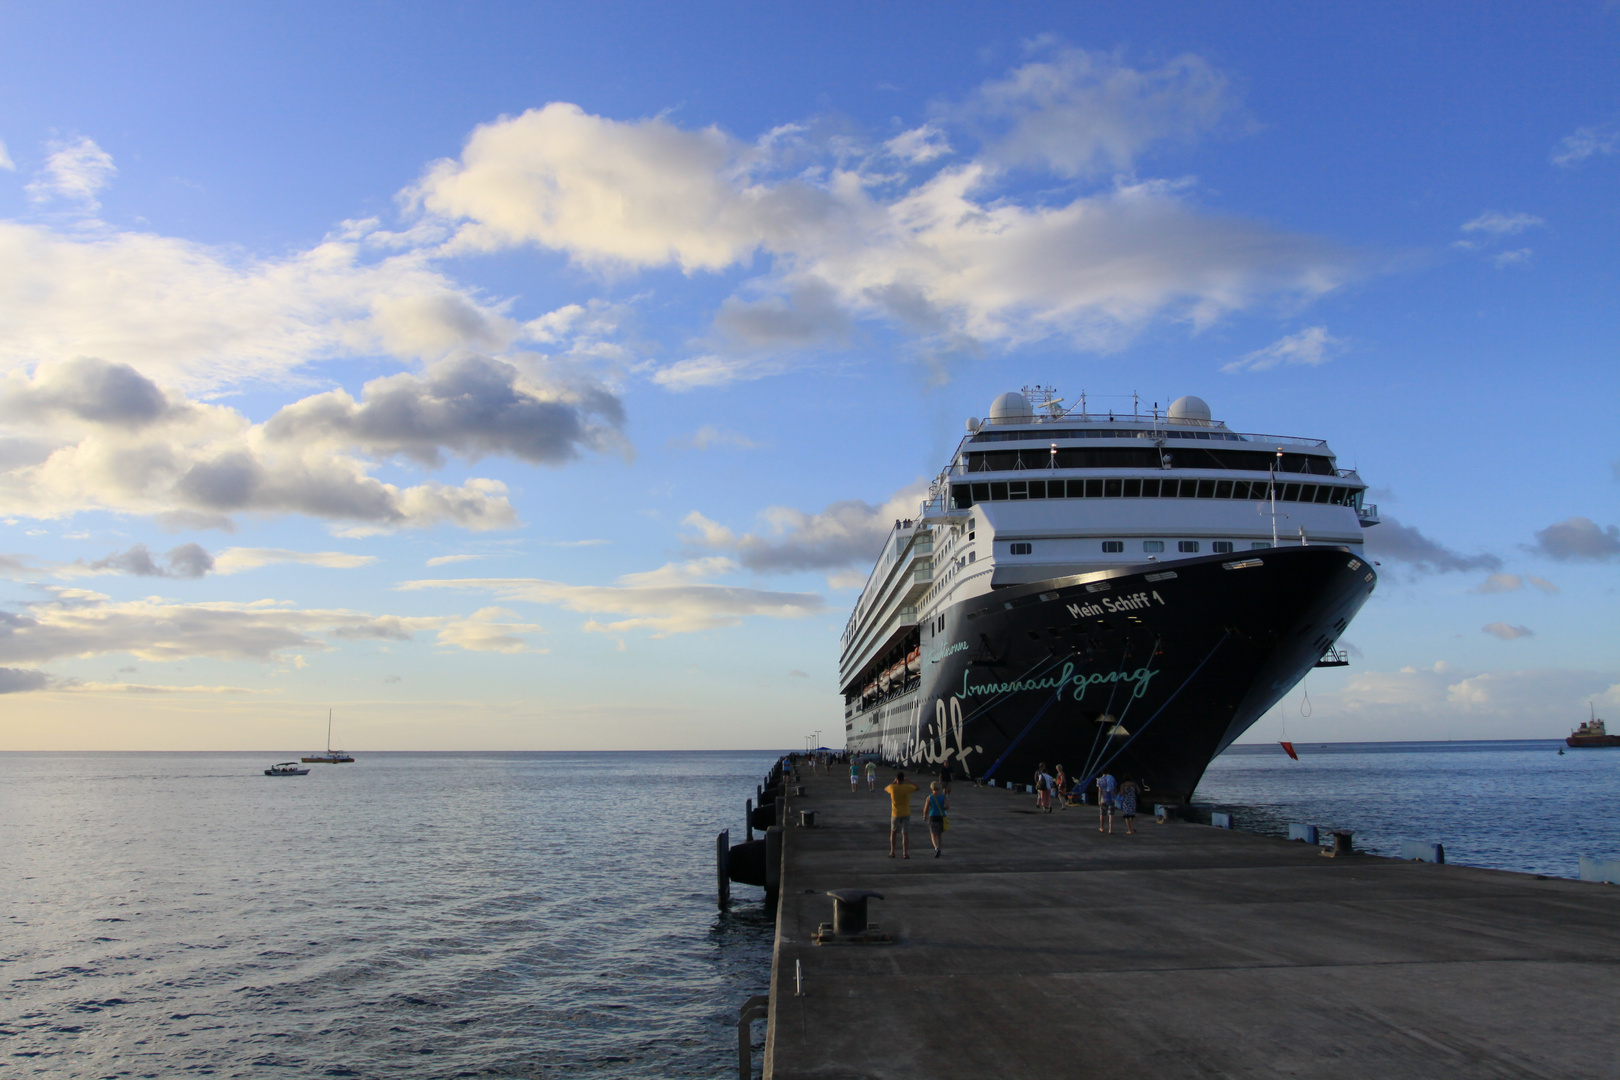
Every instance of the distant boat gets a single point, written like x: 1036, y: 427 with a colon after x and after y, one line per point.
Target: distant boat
x: 331, y: 757
x: 286, y: 768
x: 1591, y: 734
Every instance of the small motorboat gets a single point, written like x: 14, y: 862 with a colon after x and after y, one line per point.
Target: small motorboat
x: 286, y: 768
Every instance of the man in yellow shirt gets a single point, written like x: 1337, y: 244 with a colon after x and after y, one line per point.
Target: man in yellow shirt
x: 899, y: 813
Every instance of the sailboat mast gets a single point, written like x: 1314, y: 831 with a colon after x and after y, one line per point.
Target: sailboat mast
x: 328, y: 731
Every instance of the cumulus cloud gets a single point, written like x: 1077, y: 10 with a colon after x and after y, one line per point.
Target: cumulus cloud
x: 207, y: 462
x: 670, y: 600
x: 75, y: 171
x: 1507, y: 632
x: 954, y: 252
x: 1503, y: 583
x: 1311, y: 347
x: 1587, y: 142
x: 1578, y: 539
x: 846, y: 534
x: 473, y: 405
x: 199, y: 318
x: 1405, y: 544
x: 1496, y: 223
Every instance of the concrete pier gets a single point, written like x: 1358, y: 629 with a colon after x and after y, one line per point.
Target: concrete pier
x: 1039, y: 947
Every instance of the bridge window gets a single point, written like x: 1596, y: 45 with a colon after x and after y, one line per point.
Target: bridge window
x: 1188, y: 546
x: 1017, y: 489
x: 1113, y: 547
x: 1022, y: 549
x: 1153, y: 545
x: 1037, y: 489
x: 1221, y: 547
x: 1111, y: 488
x: 1133, y: 489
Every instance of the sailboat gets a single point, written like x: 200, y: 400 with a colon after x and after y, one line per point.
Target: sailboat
x: 331, y: 757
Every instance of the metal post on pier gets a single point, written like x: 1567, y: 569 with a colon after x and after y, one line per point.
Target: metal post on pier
x: 757, y: 1007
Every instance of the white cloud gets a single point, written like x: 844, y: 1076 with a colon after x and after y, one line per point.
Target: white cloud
x: 200, y: 318
x: 957, y: 253
x: 846, y: 535
x: 446, y: 560
x: 1587, y: 142
x: 1311, y: 347
x: 1079, y: 112
x: 1508, y: 632
x: 237, y: 559
x: 74, y: 171
x: 1511, y: 258
x: 1497, y: 223
x: 665, y: 601
x: 1425, y: 702
x: 919, y: 145
x: 487, y: 631
x: 110, y: 438
x: 5, y: 159
x: 1502, y: 583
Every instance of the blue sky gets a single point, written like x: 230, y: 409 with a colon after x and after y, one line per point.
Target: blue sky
x: 527, y: 376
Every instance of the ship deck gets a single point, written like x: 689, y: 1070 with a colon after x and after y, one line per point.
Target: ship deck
x: 1039, y: 947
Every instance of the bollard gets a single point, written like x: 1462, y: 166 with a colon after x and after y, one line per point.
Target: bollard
x: 1419, y: 851
x: 1306, y: 833
x: 1164, y: 814
x: 1341, y: 845
x: 849, y: 910
x: 722, y: 860
x: 807, y: 819
x: 798, y: 792
x: 757, y: 1007
x: 773, y: 862
x: 1220, y: 820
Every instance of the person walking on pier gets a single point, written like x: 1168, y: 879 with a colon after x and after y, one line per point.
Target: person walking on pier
x: 1105, y: 802
x: 854, y: 777
x: 934, y: 808
x: 900, y: 813
x: 871, y: 775
x: 1062, y: 788
x: 1126, y: 799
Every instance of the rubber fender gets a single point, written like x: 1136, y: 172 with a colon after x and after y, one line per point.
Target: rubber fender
x: 745, y: 864
x: 763, y: 817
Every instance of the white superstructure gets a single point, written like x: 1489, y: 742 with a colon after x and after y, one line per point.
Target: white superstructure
x: 1036, y: 492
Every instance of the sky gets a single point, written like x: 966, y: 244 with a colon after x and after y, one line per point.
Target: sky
x: 536, y: 376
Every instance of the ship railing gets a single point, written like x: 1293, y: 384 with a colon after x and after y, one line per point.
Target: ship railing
x: 1202, y: 431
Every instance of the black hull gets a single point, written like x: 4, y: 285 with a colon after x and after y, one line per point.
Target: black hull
x: 1147, y: 672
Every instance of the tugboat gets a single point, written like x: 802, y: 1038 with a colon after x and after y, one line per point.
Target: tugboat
x: 1120, y: 593
x: 1591, y: 734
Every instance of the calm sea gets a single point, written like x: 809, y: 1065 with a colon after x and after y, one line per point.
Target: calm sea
x: 529, y: 915
x: 1508, y: 805
x: 414, y: 915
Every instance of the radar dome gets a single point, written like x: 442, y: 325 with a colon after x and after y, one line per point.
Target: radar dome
x: 1013, y: 408
x: 1189, y: 408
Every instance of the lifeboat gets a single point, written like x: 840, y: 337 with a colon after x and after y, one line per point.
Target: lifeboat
x: 884, y: 682
x: 914, y: 661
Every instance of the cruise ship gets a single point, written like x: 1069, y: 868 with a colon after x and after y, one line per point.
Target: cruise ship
x: 1106, y: 592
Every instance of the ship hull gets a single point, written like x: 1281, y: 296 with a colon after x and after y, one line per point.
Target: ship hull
x: 1591, y: 742
x: 1146, y: 672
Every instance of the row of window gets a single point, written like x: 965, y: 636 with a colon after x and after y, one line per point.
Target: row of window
x: 1146, y: 457
x: 965, y: 495
x: 1151, y: 547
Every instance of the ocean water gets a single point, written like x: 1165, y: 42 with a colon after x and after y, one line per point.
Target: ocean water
x: 413, y: 915
x: 1515, y: 805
